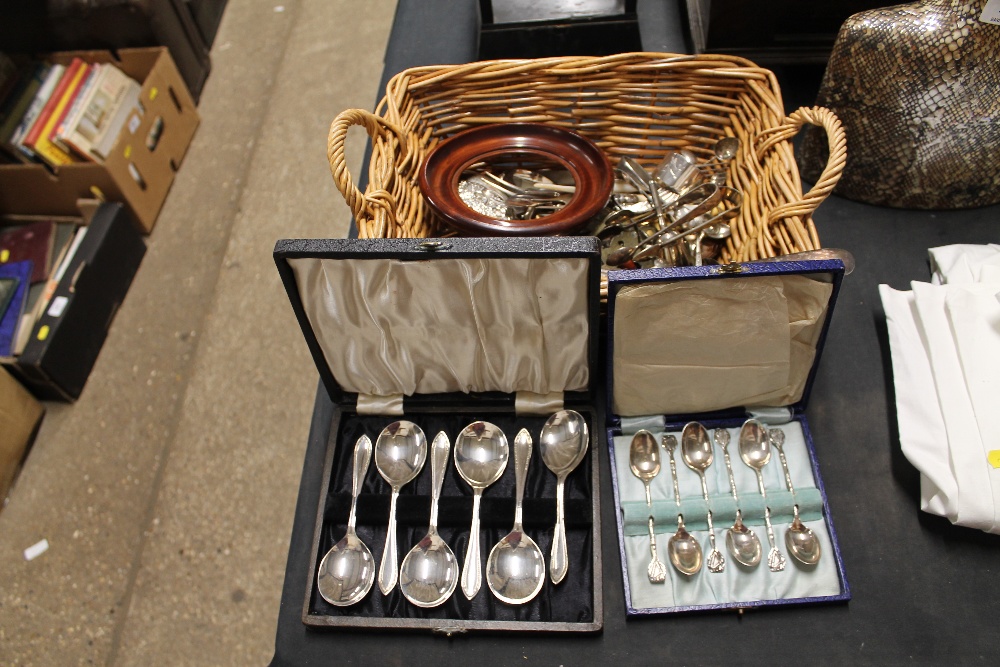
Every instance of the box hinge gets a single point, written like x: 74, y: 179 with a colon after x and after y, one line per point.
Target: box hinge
x: 450, y: 631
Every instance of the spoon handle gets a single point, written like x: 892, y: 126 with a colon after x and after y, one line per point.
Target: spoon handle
x: 472, y: 571
x: 362, y: 457
x: 522, y: 457
x: 559, y: 560
x: 440, y: 449
x: 388, y: 570
x: 777, y: 437
x: 775, y: 561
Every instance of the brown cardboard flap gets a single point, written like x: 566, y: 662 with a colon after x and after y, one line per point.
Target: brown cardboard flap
x: 20, y: 414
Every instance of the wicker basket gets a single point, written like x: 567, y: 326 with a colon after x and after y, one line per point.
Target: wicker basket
x: 638, y: 104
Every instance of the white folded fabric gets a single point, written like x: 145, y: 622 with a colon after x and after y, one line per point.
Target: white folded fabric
x: 945, y: 345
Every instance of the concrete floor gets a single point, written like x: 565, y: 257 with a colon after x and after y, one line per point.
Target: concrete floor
x: 167, y: 491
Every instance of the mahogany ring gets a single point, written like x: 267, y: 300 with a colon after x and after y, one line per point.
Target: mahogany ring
x: 590, y: 168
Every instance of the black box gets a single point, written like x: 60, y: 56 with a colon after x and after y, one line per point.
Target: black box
x: 67, y: 338
x: 408, y: 294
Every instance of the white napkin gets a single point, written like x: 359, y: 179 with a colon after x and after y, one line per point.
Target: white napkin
x: 945, y: 344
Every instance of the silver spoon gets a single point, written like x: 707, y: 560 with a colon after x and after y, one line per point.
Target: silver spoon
x: 563, y: 444
x: 742, y: 542
x: 429, y: 572
x: 801, y: 541
x: 755, y: 450
x: 347, y: 570
x: 400, y: 452
x: 683, y: 550
x: 644, y: 460
x: 515, y: 570
x: 481, y: 455
x: 696, y: 450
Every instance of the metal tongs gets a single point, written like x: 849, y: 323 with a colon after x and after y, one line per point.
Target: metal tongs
x: 703, y: 198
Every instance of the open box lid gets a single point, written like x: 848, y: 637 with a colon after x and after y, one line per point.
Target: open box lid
x: 717, y: 341
x: 424, y: 319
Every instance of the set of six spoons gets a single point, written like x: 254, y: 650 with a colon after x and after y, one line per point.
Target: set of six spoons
x: 429, y: 573
x: 684, y: 551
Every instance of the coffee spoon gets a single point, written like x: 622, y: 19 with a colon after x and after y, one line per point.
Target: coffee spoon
x: 801, y: 541
x: 644, y: 461
x: 400, y: 452
x: 429, y: 572
x: 755, y: 450
x: 742, y: 542
x: 683, y: 550
x: 347, y: 570
x: 563, y: 444
x: 481, y: 455
x: 696, y: 450
x: 515, y: 570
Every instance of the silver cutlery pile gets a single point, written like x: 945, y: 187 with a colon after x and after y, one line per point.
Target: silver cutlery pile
x: 430, y: 571
x: 696, y: 451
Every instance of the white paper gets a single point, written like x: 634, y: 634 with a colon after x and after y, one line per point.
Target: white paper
x: 36, y: 550
x: 991, y: 12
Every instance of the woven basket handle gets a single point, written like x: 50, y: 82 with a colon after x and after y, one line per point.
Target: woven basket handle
x: 363, y: 205
x: 837, y: 140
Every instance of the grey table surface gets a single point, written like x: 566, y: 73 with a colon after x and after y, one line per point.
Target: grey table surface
x: 924, y: 591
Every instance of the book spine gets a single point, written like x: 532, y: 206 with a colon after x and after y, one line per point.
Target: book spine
x: 41, y: 97
x: 46, y: 149
x: 35, y: 132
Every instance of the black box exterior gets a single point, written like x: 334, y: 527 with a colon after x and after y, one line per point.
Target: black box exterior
x: 64, y: 346
x: 576, y: 604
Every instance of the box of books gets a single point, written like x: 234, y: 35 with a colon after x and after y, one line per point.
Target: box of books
x: 92, y: 125
x: 64, y: 279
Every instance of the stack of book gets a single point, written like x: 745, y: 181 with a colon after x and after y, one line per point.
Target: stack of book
x: 33, y: 259
x: 59, y: 114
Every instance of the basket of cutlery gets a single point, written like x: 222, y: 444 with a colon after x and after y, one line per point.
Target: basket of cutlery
x: 642, y: 106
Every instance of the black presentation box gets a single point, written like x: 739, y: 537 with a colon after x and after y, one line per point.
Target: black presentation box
x: 67, y: 338
x: 496, y: 324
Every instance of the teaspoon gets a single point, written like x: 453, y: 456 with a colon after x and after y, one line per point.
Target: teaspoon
x: 347, y: 570
x: 400, y: 452
x: 429, y: 572
x: 801, y: 541
x: 644, y: 461
x: 755, y: 450
x: 515, y: 570
x: 742, y: 542
x: 696, y: 450
x: 684, y: 550
x: 563, y: 444
x: 481, y: 455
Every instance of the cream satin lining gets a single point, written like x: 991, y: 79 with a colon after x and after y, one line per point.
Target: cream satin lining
x: 702, y: 345
x: 390, y: 327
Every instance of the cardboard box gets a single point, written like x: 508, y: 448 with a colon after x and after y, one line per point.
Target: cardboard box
x: 20, y: 416
x: 449, y: 309
x: 718, y: 345
x: 170, y: 114
x: 67, y: 338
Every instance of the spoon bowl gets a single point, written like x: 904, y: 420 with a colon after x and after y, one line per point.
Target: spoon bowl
x: 563, y: 444
x: 400, y: 452
x: 430, y: 570
x: 481, y: 454
x: 347, y: 570
x: 515, y: 570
